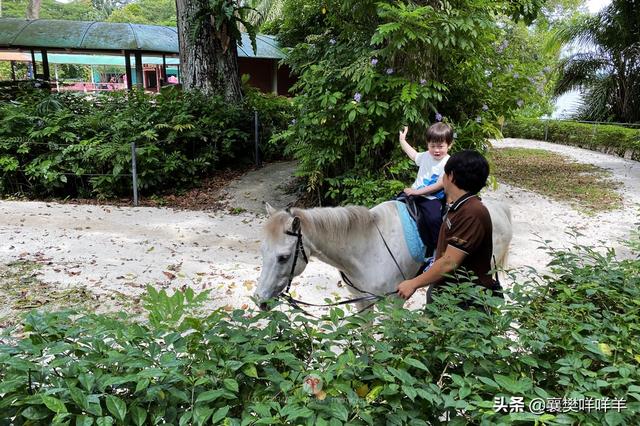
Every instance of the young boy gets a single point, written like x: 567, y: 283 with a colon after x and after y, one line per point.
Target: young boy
x: 427, y: 190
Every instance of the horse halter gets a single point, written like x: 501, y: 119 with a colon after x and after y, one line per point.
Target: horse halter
x: 299, y: 249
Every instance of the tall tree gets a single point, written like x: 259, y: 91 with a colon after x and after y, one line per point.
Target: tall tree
x: 208, y: 33
x: 607, y: 65
x: 33, y: 9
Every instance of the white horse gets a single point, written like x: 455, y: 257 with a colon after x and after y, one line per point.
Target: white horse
x: 347, y: 238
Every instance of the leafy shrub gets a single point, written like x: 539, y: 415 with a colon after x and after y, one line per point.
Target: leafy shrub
x: 366, y: 68
x: 76, y: 145
x: 573, y: 335
x: 605, y: 137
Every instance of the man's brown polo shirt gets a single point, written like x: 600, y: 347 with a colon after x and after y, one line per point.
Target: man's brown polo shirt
x: 467, y: 227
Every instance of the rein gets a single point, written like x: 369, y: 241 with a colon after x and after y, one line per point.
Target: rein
x: 300, y: 250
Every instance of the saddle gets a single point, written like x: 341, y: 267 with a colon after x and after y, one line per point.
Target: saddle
x: 428, y: 222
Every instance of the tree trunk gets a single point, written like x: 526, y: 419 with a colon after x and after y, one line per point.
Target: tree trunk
x: 33, y: 9
x: 208, y: 61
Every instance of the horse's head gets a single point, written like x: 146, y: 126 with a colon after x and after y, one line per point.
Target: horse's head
x: 283, y: 255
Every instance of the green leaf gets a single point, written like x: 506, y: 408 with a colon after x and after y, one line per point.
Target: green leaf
x: 104, y: 421
x: 35, y: 412
x: 339, y: 411
x: 464, y: 392
x: 84, y: 421
x: 373, y: 393
x: 117, y: 407
x: 614, y: 418
x: 139, y: 415
x: 54, y: 404
x: 507, y: 383
x: 415, y: 363
x: 219, y: 414
x: 250, y: 370
x: 231, y: 384
x: 201, y: 414
x: 142, y: 385
x: 78, y: 397
x: 210, y: 395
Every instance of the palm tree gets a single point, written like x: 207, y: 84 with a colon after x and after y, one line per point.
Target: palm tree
x: 608, y: 68
x: 264, y: 11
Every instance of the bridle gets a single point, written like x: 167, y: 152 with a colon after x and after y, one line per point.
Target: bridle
x: 299, y: 250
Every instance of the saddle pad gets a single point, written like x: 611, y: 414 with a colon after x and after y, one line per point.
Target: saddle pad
x: 411, y: 235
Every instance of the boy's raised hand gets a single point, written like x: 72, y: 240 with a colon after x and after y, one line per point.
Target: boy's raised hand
x: 403, y: 134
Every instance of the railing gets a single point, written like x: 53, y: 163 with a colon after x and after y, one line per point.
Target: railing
x: 90, y: 87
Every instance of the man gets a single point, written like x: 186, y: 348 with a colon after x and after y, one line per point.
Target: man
x: 465, y: 239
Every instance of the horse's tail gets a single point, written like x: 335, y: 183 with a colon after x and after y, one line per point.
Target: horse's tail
x: 502, y: 229
x: 504, y: 258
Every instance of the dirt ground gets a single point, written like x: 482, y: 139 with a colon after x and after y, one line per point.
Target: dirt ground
x: 100, y: 257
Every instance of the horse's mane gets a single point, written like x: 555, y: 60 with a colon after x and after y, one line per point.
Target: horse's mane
x: 331, y: 222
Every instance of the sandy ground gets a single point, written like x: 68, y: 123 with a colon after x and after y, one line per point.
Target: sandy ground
x: 119, y: 250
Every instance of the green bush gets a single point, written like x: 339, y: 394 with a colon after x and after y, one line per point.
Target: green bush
x: 604, y: 137
x: 77, y: 145
x: 367, y: 68
x: 573, y: 335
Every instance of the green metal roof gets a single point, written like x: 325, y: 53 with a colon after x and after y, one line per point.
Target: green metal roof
x: 54, y: 34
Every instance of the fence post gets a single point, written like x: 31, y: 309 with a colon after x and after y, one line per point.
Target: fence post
x: 546, y: 129
x: 134, y: 173
x: 255, y: 134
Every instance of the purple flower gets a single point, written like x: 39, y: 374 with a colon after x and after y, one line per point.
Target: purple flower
x: 520, y: 102
x: 389, y: 71
x: 490, y: 84
x: 374, y: 61
x: 423, y: 82
x: 478, y: 119
x: 357, y: 97
x: 438, y: 116
x: 485, y: 107
x: 516, y: 75
x: 332, y: 41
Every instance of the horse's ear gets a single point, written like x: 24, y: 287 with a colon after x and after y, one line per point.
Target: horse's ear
x: 270, y: 210
x: 295, y: 225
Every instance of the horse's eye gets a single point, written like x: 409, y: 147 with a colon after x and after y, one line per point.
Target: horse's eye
x: 283, y: 258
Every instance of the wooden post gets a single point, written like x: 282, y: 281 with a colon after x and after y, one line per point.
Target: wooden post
x: 274, y: 78
x: 55, y: 70
x: 127, y: 66
x: 164, y: 68
x: 13, y: 70
x: 34, y: 68
x: 45, y: 65
x: 134, y: 173
x: 139, y: 73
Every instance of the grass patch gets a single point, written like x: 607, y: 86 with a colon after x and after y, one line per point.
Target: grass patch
x: 585, y: 186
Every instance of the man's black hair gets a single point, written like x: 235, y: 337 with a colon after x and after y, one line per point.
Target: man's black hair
x: 470, y: 170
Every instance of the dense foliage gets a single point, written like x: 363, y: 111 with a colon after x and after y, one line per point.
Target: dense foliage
x: 605, y: 62
x: 368, y: 67
x: 614, y: 139
x: 79, y: 145
x: 573, y: 336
